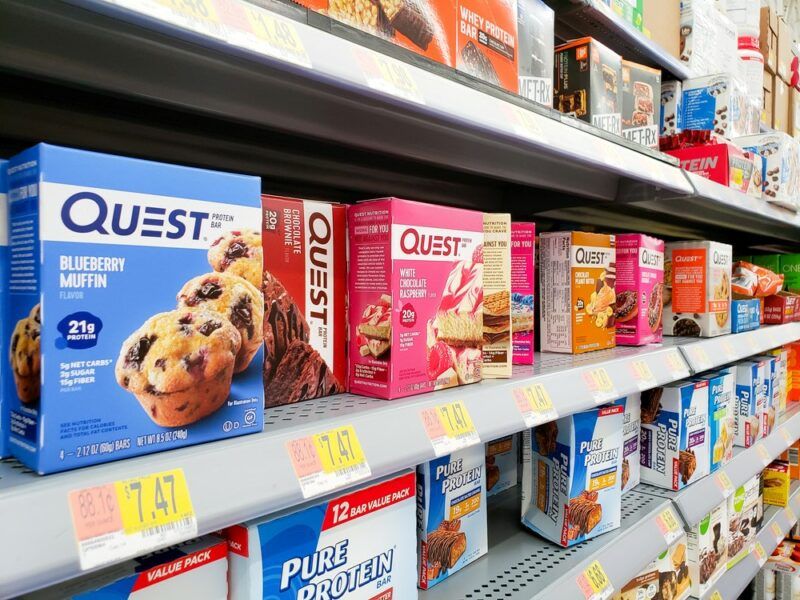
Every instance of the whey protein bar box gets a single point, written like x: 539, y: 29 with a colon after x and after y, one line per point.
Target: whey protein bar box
x: 674, y: 435
x: 486, y: 41
x: 640, y: 289
x: 721, y: 416
x: 132, y: 330
x: 523, y: 291
x: 416, y: 297
x: 577, y: 277
x: 588, y: 83
x: 697, y: 298
x: 5, y: 333
x: 641, y: 111
x: 451, y: 514
x: 631, y: 456
x: 497, y: 353
x: 330, y: 549
x: 535, y: 22
x: 502, y: 458
x: 751, y: 401
x: 305, y: 283
x: 571, y: 471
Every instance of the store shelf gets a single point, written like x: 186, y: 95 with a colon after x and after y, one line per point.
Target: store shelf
x: 523, y: 566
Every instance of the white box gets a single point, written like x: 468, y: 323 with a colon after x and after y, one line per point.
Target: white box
x: 502, y: 460
x: 743, y: 516
x: 721, y: 416
x: 631, y: 455
x: 716, y: 103
x: 666, y: 576
x: 707, y: 549
x: 708, y: 39
x: 751, y: 402
x: 781, y: 173
x: 671, y: 108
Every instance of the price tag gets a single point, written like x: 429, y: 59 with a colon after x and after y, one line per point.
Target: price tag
x: 760, y: 553
x: 790, y: 515
x: 271, y: 35
x: 724, y: 483
x: 525, y: 124
x: 612, y: 156
x: 715, y: 595
x: 195, y: 15
x: 600, y: 385
x: 642, y: 374
x: 131, y: 517
x: 535, y: 405
x: 594, y: 582
x: 764, y: 454
x: 389, y: 76
x: 776, y: 530
x: 787, y: 436
x: 699, y: 358
x: 676, y: 365
x: 449, y: 428
x: 327, y: 461
x: 728, y: 350
x: 668, y: 524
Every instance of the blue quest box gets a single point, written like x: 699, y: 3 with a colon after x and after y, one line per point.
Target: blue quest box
x: 746, y: 315
x: 125, y: 340
x: 5, y: 372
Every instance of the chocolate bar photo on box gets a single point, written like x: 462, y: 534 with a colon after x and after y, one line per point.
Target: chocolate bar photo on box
x: 408, y: 18
x: 474, y: 62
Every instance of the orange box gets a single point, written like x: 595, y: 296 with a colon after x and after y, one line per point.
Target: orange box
x: 792, y: 457
x: 486, y: 41
x: 577, y: 290
x: 793, y: 371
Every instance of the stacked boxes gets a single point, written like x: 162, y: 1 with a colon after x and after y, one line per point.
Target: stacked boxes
x: 744, y: 515
x: 781, y: 177
x: 497, y: 353
x: 715, y: 103
x: 776, y: 483
x: 641, y: 111
x: 486, y: 41
x: 640, y: 289
x: 523, y: 291
x: 535, y: 21
x: 790, y: 269
x: 708, y: 39
x: 721, y: 419
x: 502, y: 457
x: 751, y: 402
x: 707, y: 547
x: 631, y: 455
x: 667, y: 576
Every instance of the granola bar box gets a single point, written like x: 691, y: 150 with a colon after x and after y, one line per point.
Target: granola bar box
x: 133, y: 328
x: 416, y: 297
x: 588, y: 83
x: 571, y: 471
x: 640, y: 289
x: 451, y: 514
x: 707, y: 549
x: 641, y: 103
x: 523, y: 291
x: 486, y: 41
x: 304, y: 286
x: 675, y: 437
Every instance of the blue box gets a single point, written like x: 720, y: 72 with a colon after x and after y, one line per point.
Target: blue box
x: 104, y: 365
x: 5, y: 373
x: 721, y: 416
x: 746, y: 315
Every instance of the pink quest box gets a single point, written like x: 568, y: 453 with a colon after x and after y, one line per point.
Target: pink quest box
x: 416, y: 297
x: 640, y: 289
x: 523, y: 291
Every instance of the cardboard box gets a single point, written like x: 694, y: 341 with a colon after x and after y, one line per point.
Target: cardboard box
x: 502, y: 459
x: 772, y: 392
x: 641, y: 112
x: 535, y: 22
x: 106, y: 244
x: 794, y: 113
x: 780, y: 106
x: 570, y: 476
x: 675, y: 435
x: 497, y: 353
x: 663, y: 19
x: 716, y: 103
x: 707, y: 549
x: 416, y: 290
x: 743, y: 516
x: 746, y: 315
x: 5, y: 335
x: 721, y: 416
x: 667, y: 576
x: 791, y: 456
x: 780, y: 308
x: 697, y: 297
x: 785, y: 41
x: 751, y: 401
x: 523, y: 292
x: 768, y: 39
x: 451, y: 515
x: 722, y: 162
x: 793, y: 371
x: 708, y: 39
x: 305, y: 284
x: 588, y: 83
x: 486, y: 41
x: 790, y: 269
x: 671, y: 108
x: 781, y: 362
x: 767, y: 116
x: 338, y: 546
x: 577, y: 276
x: 768, y: 261
x: 631, y: 454
x: 776, y: 484
x: 782, y: 174
x: 640, y: 289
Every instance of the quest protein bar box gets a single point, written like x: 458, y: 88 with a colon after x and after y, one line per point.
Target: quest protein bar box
x: 305, y: 282
x: 132, y: 331
x: 416, y: 297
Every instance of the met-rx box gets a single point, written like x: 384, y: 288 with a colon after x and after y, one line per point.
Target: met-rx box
x: 129, y: 335
x: 5, y: 367
x: 641, y: 111
x: 451, y: 514
x: 571, y: 471
x: 535, y: 38
x: 330, y: 549
x: 721, y: 409
x: 751, y: 401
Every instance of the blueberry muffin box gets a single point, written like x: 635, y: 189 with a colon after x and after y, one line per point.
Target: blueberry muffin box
x: 135, y: 324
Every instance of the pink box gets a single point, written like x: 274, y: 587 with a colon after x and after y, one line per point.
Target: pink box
x: 416, y: 297
x: 523, y: 291
x: 640, y: 289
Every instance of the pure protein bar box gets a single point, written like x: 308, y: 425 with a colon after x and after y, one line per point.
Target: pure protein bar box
x: 631, y: 424
x: 571, y: 471
x: 130, y: 336
x: 416, y: 297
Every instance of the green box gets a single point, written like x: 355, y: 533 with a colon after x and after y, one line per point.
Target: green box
x: 790, y: 267
x: 743, y: 259
x: 768, y: 261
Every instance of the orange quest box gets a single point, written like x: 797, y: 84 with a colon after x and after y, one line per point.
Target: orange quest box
x: 486, y: 45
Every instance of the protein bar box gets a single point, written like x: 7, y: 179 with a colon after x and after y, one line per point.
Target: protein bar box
x: 671, y: 116
x: 667, y: 576
x: 502, y: 459
x: 305, y: 287
x: 715, y: 103
x: 745, y: 509
x: 5, y: 334
x: 641, y: 111
x: 451, y: 514
x: 707, y: 547
x: 330, y: 547
x: 523, y: 291
x: 416, y: 297
x: 751, y: 401
x: 640, y: 289
x: 771, y: 387
x: 588, y: 83
x: 132, y: 330
x: 577, y: 278
x: 497, y: 351
x: 535, y: 23
x: 486, y: 41
x: 781, y: 169
x: 571, y: 471
x: 721, y: 416
x: 675, y: 437
x: 631, y: 454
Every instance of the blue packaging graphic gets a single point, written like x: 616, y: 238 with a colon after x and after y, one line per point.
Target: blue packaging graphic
x: 746, y: 315
x: 106, y: 362
x: 631, y: 457
x: 5, y: 373
x: 721, y: 407
x: 772, y: 391
x: 751, y: 401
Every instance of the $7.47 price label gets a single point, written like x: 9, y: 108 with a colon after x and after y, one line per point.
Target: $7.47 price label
x: 449, y: 427
x: 388, y: 75
x: 131, y: 517
x: 535, y: 405
x: 600, y: 385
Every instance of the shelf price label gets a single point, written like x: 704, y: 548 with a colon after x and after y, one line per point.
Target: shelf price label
x: 131, y: 517
x: 525, y: 124
x: 270, y: 35
x: 642, y: 374
x: 728, y: 350
x: 389, y: 76
x: 790, y: 515
x: 763, y: 454
x: 449, y: 427
x: 760, y: 553
x: 676, y: 365
x: 535, y: 405
x: 715, y: 595
x: 669, y: 526
x: 699, y: 357
x: 195, y: 15
x: 787, y: 436
x: 600, y: 385
x: 724, y: 483
x: 327, y: 461
x: 776, y: 531
x: 594, y: 582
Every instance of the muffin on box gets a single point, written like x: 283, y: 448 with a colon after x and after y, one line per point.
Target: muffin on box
x: 238, y: 252
x: 26, y: 356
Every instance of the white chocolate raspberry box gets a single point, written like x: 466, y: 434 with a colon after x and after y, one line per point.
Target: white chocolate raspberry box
x: 416, y: 297
x: 132, y: 332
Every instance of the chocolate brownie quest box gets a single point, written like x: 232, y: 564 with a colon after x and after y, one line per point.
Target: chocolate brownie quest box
x: 535, y: 22
x: 330, y: 549
x: 486, y: 41
x: 497, y: 352
x: 751, y: 401
x: 305, y: 283
x: 707, y: 548
x: 671, y: 119
x: 640, y: 289
x: 416, y: 297
x: 502, y: 459
x: 523, y: 291
x: 451, y: 514
x: 131, y: 331
x: 721, y: 416
x: 588, y: 83
x: 674, y: 434
x: 641, y: 112
x: 197, y: 569
x: 571, y: 472
x: 697, y: 295
x: 631, y: 456
x: 6, y: 378
x: 745, y: 510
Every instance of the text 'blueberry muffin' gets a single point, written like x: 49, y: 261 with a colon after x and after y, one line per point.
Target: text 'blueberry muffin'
x: 236, y: 299
x: 25, y: 356
x: 239, y: 253
x: 179, y: 364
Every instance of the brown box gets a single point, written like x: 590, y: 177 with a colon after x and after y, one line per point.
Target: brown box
x: 780, y: 106
x: 785, y: 38
x: 663, y: 19
x: 766, y: 110
x: 794, y: 112
x: 769, y: 39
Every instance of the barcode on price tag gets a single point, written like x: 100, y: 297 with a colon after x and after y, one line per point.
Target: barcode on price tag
x: 642, y: 374
x: 327, y: 461
x: 594, y: 583
x: 535, y: 405
x: 724, y: 483
x: 449, y: 427
x: 271, y: 35
x: 131, y: 517
x: 600, y: 385
x: 669, y: 526
x: 389, y: 76
x: 676, y: 365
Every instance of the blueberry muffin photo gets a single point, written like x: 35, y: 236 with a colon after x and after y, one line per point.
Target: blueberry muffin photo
x: 239, y: 253
x: 25, y: 356
x: 179, y: 364
x: 237, y: 300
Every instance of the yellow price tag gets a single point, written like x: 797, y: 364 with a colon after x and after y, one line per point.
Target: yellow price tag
x: 776, y: 530
x: 641, y: 370
x: 790, y: 514
x: 339, y: 449
x: 715, y: 595
x: 535, y: 404
x: 538, y: 398
x: 455, y: 419
x: 700, y: 357
x: 724, y: 483
x: 389, y: 75
x: 202, y: 10
x: 676, y: 364
x: 449, y: 427
x: 764, y: 454
x: 154, y: 500
x: 280, y: 36
x: 787, y: 436
x: 594, y: 582
x: 525, y: 124
x: 761, y: 554
x: 668, y: 525
x: 600, y: 385
x: 728, y: 350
